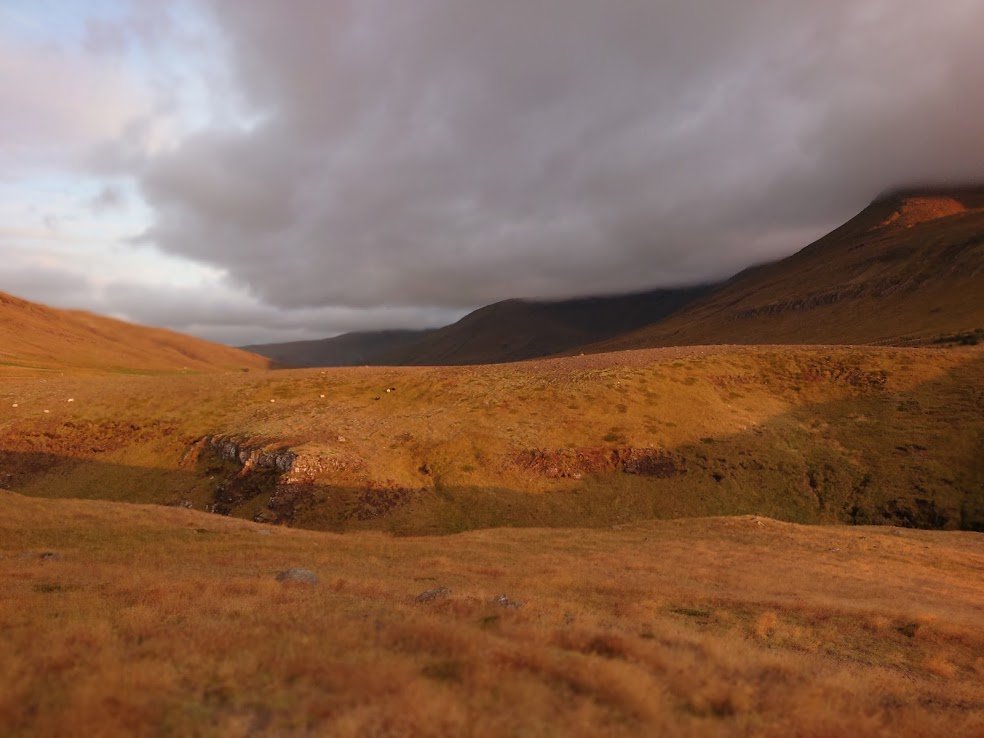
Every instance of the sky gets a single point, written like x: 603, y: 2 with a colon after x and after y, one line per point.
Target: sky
x: 271, y: 170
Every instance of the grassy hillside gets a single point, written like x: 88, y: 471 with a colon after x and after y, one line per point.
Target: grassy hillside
x: 820, y: 434
x: 37, y: 336
x: 123, y: 620
x: 514, y: 330
x: 908, y: 269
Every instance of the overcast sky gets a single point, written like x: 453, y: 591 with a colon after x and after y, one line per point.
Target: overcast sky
x: 265, y: 170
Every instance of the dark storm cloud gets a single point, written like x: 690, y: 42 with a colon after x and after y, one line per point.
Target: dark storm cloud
x: 448, y: 153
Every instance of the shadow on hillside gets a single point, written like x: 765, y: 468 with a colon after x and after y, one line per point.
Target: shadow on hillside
x: 913, y: 458
x: 45, y: 474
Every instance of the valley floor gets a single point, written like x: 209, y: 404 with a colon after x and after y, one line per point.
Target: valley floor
x: 131, y: 620
x: 808, y: 434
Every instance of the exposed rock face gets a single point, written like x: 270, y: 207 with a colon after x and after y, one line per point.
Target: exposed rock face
x: 261, y: 471
x: 291, y: 482
x: 305, y: 469
x: 231, y: 449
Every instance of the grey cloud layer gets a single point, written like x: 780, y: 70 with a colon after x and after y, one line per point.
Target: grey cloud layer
x: 441, y: 153
x: 220, y: 314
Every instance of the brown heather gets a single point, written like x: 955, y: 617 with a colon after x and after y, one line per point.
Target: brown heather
x: 127, y: 620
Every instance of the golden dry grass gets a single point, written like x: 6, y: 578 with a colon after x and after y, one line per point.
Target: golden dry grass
x: 802, y: 434
x: 151, y: 621
x: 39, y: 337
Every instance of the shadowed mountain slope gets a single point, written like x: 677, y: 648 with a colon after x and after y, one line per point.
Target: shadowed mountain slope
x: 35, y: 335
x: 349, y: 349
x: 514, y: 330
x: 908, y: 269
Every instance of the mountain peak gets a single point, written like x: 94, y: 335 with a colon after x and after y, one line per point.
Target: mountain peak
x: 915, y: 210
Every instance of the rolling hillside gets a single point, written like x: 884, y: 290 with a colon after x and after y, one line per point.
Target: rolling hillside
x: 37, y: 336
x: 909, y: 269
x: 804, y: 434
x: 128, y: 620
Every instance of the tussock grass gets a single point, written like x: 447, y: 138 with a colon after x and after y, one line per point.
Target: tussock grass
x: 165, y: 622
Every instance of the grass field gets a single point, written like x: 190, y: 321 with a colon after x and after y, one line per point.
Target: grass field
x: 124, y: 620
x: 575, y: 587
x: 817, y: 434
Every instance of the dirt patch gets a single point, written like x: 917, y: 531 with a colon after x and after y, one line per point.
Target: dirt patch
x: 578, y: 462
x: 844, y: 374
x: 83, y: 439
x: 375, y: 503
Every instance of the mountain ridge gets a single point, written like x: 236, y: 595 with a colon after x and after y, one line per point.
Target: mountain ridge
x: 908, y: 269
x: 509, y: 330
x: 356, y: 348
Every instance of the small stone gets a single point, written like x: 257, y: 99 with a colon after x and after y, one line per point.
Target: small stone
x: 301, y: 576
x: 502, y: 601
x: 433, y: 594
x: 71, y: 399
x: 42, y: 555
x: 46, y: 411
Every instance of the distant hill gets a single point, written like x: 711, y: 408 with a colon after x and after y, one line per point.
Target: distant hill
x: 514, y: 330
x: 349, y: 349
x: 908, y: 269
x: 35, y: 335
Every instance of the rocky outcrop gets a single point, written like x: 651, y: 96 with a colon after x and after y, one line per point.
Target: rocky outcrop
x: 278, y: 483
x: 260, y: 472
x: 252, y: 457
